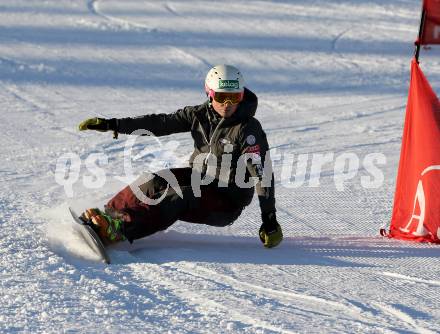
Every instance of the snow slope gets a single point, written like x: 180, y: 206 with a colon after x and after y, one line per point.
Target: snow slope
x: 331, y: 77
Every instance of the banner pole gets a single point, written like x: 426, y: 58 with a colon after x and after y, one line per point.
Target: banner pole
x: 419, y: 39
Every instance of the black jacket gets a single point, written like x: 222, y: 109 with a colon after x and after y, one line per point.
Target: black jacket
x: 219, y: 137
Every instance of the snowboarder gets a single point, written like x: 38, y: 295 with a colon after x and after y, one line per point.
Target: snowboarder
x: 223, y: 126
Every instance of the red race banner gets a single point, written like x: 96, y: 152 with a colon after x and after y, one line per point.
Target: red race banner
x: 416, y: 211
x: 431, y: 24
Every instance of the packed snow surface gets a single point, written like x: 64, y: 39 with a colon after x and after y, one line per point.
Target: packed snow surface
x: 332, y: 81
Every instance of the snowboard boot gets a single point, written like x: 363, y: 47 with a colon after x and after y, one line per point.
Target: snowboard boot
x: 109, y: 230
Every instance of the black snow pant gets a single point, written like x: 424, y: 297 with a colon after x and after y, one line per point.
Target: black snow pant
x: 214, y: 206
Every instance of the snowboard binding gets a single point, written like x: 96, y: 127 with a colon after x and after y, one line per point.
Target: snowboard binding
x: 109, y: 230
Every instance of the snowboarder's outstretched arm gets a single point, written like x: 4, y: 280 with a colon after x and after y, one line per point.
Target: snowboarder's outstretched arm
x: 259, y: 165
x: 157, y: 124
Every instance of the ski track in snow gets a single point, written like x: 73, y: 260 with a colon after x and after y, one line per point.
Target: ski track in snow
x: 207, y: 274
x: 93, y: 6
x: 404, y: 317
x: 411, y: 279
x: 169, y: 7
x: 326, y: 83
x: 211, y: 308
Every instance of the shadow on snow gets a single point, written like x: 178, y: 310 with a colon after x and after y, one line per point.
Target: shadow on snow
x: 173, y: 246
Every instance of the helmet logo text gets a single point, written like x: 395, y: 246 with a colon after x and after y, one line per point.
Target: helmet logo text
x: 228, y: 84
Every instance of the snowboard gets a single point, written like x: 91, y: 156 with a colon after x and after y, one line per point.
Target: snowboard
x: 90, y: 237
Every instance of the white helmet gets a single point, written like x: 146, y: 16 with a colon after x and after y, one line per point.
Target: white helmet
x: 224, y: 78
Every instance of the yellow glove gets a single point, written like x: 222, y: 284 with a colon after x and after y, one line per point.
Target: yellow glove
x: 98, y: 124
x: 270, y: 232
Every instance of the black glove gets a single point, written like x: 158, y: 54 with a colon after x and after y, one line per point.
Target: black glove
x: 270, y: 231
x: 99, y: 124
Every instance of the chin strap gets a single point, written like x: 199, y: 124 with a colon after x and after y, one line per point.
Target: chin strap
x: 209, y: 99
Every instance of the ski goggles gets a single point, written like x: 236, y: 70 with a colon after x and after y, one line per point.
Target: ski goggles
x: 223, y: 97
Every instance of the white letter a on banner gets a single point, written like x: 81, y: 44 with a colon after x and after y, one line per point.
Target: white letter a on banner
x: 420, y: 198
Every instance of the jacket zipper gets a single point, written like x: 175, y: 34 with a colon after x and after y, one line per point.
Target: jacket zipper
x: 210, y: 141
